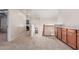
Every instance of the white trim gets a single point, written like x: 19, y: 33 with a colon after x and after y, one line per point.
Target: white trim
x: 9, y: 28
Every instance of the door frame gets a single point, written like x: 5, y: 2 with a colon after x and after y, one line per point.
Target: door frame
x: 44, y: 29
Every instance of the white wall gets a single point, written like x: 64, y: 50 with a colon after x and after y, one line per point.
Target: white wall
x: 16, y: 24
x: 69, y: 16
x: 39, y: 17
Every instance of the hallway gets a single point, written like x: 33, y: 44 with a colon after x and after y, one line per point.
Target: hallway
x: 25, y: 42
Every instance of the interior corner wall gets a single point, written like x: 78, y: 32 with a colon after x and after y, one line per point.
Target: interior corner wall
x: 16, y: 24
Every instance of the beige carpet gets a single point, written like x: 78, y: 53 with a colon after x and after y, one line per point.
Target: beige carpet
x: 25, y: 42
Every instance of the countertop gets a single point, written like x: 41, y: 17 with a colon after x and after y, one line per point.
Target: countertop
x: 68, y: 27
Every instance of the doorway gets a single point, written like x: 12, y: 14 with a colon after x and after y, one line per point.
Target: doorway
x: 48, y: 30
x: 3, y: 25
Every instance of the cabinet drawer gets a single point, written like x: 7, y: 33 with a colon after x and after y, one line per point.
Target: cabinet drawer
x: 71, y: 30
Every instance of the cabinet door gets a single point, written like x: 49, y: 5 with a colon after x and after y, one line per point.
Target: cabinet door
x: 64, y: 35
x: 59, y: 33
x: 78, y: 39
x: 71, y: 38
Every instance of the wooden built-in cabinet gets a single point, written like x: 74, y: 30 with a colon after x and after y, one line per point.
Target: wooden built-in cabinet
x: 78, y: 39
x: 64, y: 34
x: 68, y: 35
x: 71, y: 38
x: 59, y: 33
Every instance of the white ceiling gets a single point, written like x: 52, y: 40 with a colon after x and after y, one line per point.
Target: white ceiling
x: 44, y: 12
x: 41, y: 12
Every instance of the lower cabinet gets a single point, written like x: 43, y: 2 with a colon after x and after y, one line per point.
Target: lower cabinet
x: 59, y: 33
x: 78, y: 39
x: 64, y: 35
x: 71, y: 38
x: 68, y: 36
